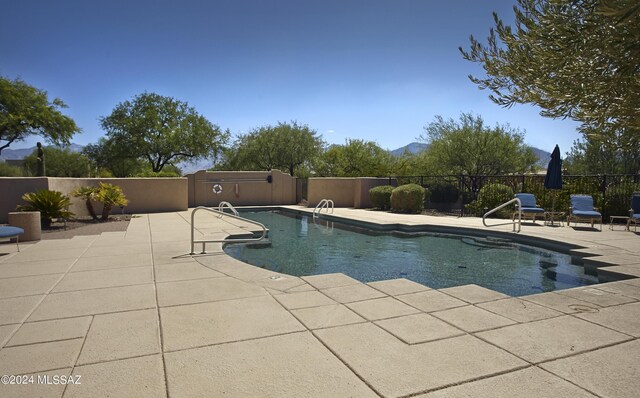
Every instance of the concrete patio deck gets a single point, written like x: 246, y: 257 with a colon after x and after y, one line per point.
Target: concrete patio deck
x: 124, y: 316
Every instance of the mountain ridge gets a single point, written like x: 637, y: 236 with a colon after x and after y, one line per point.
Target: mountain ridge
x: 21, y: 153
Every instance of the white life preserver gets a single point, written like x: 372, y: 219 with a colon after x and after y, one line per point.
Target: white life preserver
x: 217, y: 189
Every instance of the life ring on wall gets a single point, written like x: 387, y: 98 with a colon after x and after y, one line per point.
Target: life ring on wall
x: 217, y: 189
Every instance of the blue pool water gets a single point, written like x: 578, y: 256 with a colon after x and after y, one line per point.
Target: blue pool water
x: 300, y: 247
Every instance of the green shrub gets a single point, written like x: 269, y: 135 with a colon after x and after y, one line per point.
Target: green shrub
x: 381, y: 197
x: 618, y: 199
x: 152, y: 174
x: 50, y: 204
x: 408, y: 198
x: 88, y: 194
x: 492, y: 196
x: 109, y: 195
x: 444, y: 193
x: 6, y: 170
x: 60, y: 162
x: 167, y: 171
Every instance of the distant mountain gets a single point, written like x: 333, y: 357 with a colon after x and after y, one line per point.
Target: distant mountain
x: 188, y: 167
x: 543, y: 157
x: 414, y: 147
x: 417, y: 147
x: 17, y: 154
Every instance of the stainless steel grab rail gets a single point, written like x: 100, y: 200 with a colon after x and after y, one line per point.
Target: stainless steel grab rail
x: 519, y: 222
x: 220, y: 214
x: 324, y: 204
x: 228, y: 205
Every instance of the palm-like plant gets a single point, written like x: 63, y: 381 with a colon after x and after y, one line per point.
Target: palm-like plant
x: 50, y: 204
x: 88, y: 194
x: 109, y: 195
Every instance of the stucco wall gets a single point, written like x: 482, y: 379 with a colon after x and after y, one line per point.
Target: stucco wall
x: 340, y: 190
x: 241, y: 188
x: 362, y: 186
x: 146, y: 195
x: 12, y: 189
x: 345, y: 192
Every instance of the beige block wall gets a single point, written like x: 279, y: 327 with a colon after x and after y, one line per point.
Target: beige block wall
x: 12, y: 189
x: 340, y: 190
x: 345, y: 192
x: 284, y: 188
x: 362, y: 186
x: 241, y: 188
x: 146, y: 195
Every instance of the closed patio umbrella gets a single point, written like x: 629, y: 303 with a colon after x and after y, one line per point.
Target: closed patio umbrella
x: 553, y: 179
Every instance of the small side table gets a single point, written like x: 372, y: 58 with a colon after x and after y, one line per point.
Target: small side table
x: 623, y: 218
x: 551, y: 217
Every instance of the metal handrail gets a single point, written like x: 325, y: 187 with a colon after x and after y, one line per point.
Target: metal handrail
x: 224, y: 204
x: 220, y: 214
x: 324, y: 204
x: 519, y: 222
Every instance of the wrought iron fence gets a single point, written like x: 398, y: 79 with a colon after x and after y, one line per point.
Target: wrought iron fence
x: 473, y: 195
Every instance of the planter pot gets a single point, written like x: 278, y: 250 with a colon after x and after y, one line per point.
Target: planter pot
x: 29, y: 221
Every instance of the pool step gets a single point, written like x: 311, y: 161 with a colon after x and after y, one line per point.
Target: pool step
x: 263, y: 244
x: 266, y: 242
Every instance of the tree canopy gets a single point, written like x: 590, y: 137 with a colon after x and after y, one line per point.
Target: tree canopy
x: 116, y: 160
x: 468, y: 147
x: 162, y: 130
x: 26, y: 110
x: 287, y: 147
x: 355, y: 158
x: 603, y: 157
x: 574, y: 59
x: 60, y: 162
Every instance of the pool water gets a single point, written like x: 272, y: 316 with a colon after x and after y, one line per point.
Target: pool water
x: 303, y: 246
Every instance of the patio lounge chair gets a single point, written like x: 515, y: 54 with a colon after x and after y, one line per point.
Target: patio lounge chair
x: 634, y: 212
x: 529, y: 207
x: 7, y: 231
x: 582, y: 210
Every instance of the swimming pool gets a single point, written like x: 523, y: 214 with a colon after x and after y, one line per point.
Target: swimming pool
x: 301, y: 246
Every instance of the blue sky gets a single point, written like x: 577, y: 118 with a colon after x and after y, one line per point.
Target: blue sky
x: 368, y: 69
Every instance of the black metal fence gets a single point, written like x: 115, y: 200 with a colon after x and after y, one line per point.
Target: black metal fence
x: 473, y: 195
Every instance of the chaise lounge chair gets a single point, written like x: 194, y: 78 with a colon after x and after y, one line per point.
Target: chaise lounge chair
x: 7, y: 231
x: 529, y: 207
x: 634, y: 212
x: 582, y: 210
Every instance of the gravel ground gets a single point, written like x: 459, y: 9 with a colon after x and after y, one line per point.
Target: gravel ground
x: 88, y: 226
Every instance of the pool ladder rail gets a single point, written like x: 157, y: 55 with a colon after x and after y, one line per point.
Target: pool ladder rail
x: 324, y: 204
x: 514, y: 222
x: 220, y: 213
x: 222, y: 205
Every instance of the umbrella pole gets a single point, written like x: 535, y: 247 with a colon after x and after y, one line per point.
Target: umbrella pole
x: 553, y: 208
